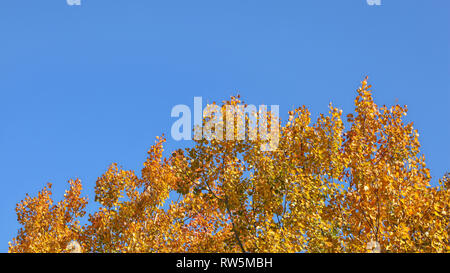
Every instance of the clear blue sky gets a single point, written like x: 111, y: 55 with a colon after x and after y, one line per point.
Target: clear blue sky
x: 84, y: 86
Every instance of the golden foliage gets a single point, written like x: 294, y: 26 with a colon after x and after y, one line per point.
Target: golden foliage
x: 323, y: 189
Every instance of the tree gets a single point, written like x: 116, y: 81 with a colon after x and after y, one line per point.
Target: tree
x: 323, y: 189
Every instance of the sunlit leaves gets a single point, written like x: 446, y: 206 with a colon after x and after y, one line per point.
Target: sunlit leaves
x: 324, y: 189
x: 48, y: 227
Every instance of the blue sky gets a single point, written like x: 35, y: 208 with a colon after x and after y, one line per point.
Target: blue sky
x: 84, y: 86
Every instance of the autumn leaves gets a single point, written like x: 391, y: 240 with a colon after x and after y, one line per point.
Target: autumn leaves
x: 324, y: 189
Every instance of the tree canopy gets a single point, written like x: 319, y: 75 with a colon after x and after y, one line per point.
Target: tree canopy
x: 325, y: 188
